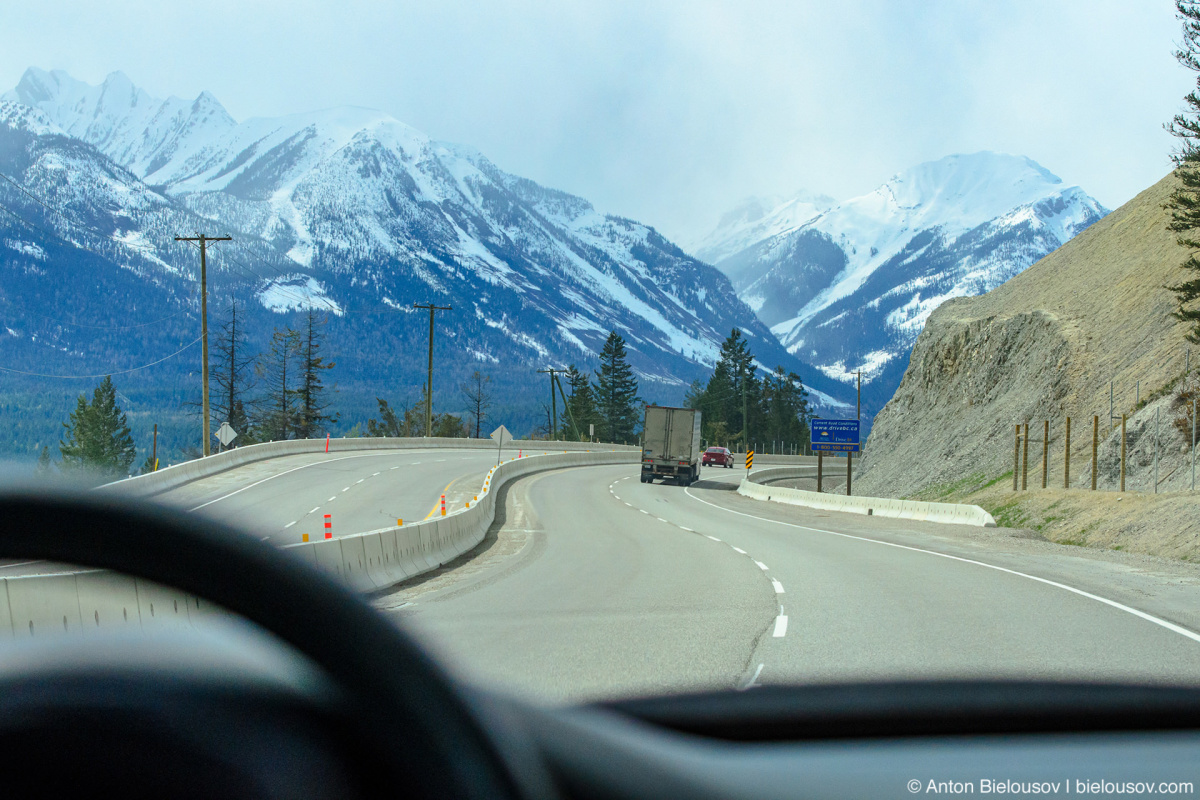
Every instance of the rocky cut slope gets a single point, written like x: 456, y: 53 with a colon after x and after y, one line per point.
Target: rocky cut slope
x: 1045, y: 346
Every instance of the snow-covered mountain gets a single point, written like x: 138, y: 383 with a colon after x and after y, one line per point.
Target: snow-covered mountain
x: 848, y: 287
x: 350, y: 211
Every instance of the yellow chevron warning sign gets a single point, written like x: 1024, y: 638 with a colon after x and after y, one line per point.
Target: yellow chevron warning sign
x: 749, y: 459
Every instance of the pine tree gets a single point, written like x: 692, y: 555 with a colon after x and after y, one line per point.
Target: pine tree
x: 232, y: 371
x: 616, y: 392
x: 786, y: 408
x: 723, y: 398
x: 1184, y: 203
x: 581, y: 404
x: 43, y: 463
x: 479, y: 399
x: 312, y: 421
x: 278, y: 413
x: 98, y: 438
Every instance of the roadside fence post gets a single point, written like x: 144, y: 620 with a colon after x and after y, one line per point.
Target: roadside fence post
x: 1095, y: 445
x: 1025, y: 460
x: 820, y: 462
x: 1016, y: 457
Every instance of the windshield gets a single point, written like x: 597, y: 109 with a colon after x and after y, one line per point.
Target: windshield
x: 458, y: 305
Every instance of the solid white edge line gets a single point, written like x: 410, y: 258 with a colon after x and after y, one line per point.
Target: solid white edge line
x: 780, y: 627
x: 778, y: 586
x: 286, y: 472
x: 751, y: 684
x: 1171, y: 626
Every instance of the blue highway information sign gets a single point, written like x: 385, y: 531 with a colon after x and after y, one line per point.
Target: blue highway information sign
x: 834, y: 435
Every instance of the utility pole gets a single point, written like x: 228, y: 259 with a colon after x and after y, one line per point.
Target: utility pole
x: 551, y: 371
x: 429, y: 378
x: 204, y: 240
x: 154, y: 451
x: 745, y: 418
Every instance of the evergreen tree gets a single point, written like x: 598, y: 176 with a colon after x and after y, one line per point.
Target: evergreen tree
x: 723, y: 398
x: 389, y: 423
x: 232, y: 371
x: 1184, y: 203
x: 148, y: 465
x: 98, y: 438
x: 43, y: 463
x: 312, y: 421
x: 279, y: 414
x: 616, y: 392
x: 581, y: 404
x: 786, y: 408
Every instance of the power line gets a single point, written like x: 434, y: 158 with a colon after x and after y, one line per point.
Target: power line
x: 106, y: 374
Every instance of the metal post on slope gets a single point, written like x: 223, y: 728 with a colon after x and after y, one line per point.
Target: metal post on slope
x: 1194, y: 409
x: 203, y: 242
x: 849, y: 460
x: 820, y: 463
x: 1017, y: 457
x: 429, y: 376
x: 1110, y: 406
x: 154, y: 451
x: 1025, y: 460
x: 1095, y: 446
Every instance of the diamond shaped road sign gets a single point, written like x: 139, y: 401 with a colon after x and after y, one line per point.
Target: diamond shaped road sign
x: 501, y: 436
x: 225, y: 434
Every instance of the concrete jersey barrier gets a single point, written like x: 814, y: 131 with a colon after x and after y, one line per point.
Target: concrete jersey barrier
x: 84, y: 602
x: 177, y: 475
x: 954, y: 513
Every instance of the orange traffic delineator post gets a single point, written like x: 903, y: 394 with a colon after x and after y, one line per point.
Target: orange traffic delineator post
x: 443, y: 505
x: 329, y: 526
x: 519, y: 453
x: 400, y: 523
x: 304, y: 537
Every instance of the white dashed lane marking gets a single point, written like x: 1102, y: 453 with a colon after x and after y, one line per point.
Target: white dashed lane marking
x: 762, y: 566
x: 715, y: 539
x: 780, y: 625
x: 738, y: 549
x: 290, y: 524
x: 778, y: 586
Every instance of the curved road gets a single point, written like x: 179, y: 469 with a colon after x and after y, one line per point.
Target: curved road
x: 597, y: 585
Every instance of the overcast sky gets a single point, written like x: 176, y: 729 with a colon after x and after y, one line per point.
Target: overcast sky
x: 672, y: 112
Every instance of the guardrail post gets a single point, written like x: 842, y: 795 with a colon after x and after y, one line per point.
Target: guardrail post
x: 1095, y: 446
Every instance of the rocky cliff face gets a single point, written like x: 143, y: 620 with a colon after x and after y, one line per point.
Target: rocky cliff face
x: 1045, y: 346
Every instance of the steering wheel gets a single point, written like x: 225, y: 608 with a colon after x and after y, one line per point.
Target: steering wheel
x: 407, y: 718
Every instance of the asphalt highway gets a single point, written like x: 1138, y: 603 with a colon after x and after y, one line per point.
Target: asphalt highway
x: 596, y: 586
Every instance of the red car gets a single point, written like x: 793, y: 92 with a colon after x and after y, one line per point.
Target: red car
x: 717, y: 455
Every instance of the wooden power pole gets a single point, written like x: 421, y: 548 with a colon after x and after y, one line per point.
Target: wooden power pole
x: 203, y: 241
x: 551, y: 371
x: 429, y: 378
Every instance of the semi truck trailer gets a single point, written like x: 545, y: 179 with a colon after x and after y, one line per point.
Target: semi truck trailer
x: 671, y: 444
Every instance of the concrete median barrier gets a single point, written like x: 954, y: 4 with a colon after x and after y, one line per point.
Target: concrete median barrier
x: 68, y: 603
x: 755, y: 486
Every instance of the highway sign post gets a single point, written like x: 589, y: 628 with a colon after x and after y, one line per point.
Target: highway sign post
x: 835, y: 436
x: 502, y: 437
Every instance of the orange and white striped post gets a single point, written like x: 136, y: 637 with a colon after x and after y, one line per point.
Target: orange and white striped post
x: 443, y: 505
x: 329, y: 526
